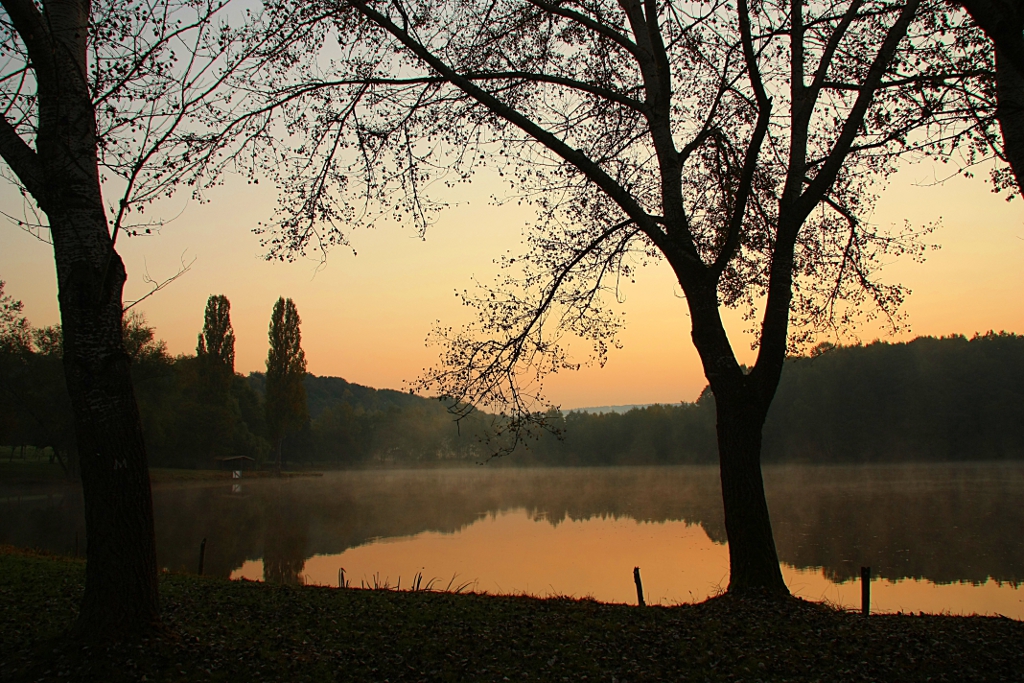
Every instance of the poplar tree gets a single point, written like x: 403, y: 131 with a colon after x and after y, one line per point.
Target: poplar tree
x: 217, y: 340
x: 286, y: 368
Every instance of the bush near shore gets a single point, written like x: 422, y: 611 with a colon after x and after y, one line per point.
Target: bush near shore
x: 218, y: 630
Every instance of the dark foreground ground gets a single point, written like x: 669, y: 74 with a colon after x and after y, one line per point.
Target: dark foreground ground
x: 238, y: 631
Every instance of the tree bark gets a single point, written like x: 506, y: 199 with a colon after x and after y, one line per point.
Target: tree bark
x: 62, y: 174
x: 121, y: 595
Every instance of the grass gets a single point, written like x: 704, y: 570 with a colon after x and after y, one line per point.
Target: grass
x: 219, y: 630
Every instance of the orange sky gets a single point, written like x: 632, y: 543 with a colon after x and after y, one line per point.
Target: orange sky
x: 365, y: 317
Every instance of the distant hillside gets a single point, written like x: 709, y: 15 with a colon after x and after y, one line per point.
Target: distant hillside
x: 599, y: 410
x: 324, y: 392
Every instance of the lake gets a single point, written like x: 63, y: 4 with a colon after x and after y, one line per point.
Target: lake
x: 938, y: 538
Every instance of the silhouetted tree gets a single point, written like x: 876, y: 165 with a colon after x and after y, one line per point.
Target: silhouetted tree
x: 1003, y: 23
x: 286, y: 368
x: 217, y: 340
x: 736, y: 141
x: 49, y: 340
x: 140, y: 342
x: 15, y: 337
x: 15, y: 332
x: 139, y: 90
x: 34, y: 408
x: 215, y: 359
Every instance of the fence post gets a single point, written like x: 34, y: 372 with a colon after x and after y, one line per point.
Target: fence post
x: 202, y: 556
x: 865, y: 590
x: 639, y: 587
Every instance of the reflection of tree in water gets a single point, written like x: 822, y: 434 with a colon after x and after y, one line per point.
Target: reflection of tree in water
x: 942, y: 523
x: 285, y: 533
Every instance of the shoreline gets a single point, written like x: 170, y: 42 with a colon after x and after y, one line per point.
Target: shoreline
x: 222, y: 630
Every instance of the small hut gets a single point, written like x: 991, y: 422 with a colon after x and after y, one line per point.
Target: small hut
x: 237, y: 463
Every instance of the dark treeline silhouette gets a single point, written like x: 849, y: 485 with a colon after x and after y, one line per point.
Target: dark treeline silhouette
x: 930, y: 399
x: 197, y: 411
x: 952, y: 398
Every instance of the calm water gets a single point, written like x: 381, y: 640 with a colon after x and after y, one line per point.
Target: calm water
x: 939, y: 538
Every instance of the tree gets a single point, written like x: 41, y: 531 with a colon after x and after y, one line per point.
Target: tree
x: 96, y: 92
x: 217, y: 340
x: 739, y: 142
x: 286, y: 368
x: 33, y: 401
x: 15, y: 341
x: 1003, y: 23
x: 15, y: 332
x: 215, y: 351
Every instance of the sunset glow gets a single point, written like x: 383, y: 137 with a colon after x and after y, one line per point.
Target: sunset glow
x: 365, y: 317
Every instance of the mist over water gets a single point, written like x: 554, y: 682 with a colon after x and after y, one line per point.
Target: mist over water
x: 937, y: 537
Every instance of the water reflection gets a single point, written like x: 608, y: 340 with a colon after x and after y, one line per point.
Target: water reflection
x: 914, y: 525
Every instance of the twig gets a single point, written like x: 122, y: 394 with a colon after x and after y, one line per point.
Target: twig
x: 157, y: 286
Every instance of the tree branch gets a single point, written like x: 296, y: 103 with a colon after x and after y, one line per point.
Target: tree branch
x: 33, y: 31
x: 157, y: 286
x: 824, y: 179
x: 764, y: 106
x: 593, y: 25
x: 833, y: 44
x: 573, y: 156
x: 23, y: 161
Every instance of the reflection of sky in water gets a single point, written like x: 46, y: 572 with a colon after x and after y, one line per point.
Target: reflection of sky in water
x: 514, y: 553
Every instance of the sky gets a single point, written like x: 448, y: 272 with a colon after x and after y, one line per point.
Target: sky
x: 366, y: 316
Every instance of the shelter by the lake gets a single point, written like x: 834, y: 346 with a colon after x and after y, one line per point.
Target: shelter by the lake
x: 237, y: 463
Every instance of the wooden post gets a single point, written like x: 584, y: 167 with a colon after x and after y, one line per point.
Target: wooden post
x: 639, y: 587
x: 865, y: 590
x: 341, y: 577
x: 202, y: 556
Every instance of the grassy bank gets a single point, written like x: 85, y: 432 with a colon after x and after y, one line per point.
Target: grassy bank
x: 240, y: 631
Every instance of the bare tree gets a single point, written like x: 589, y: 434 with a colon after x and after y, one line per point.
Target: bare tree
x: 737, y: 141
x: 130, y: 98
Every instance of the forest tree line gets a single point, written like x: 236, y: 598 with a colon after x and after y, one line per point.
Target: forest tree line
x: 930, y: 399
x: 196, y: 410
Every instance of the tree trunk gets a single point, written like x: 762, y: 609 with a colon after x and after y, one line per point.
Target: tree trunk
x: 1010, y: 112
x: 121, y: 595
x: 62, y: 174
x: 1003, y: 22
x: 753, y: 559
x: 741, y: 404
